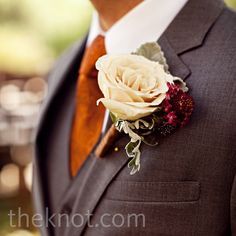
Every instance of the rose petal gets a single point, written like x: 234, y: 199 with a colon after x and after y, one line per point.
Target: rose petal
x: 156, y: 102
x: 124, y: 111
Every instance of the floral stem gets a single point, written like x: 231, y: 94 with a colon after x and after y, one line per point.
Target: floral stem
x: 107, y: 141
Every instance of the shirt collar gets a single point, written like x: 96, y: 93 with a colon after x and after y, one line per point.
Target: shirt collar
x: 144, y: 23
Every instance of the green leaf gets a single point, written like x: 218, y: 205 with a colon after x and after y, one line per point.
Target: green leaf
x: 131, y: 163
x: 134, y: 170
x: 130, y: 148
x: 134, y: 164
x: 152, y: 51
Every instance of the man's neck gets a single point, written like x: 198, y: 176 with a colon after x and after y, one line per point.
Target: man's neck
x: 110, y: 11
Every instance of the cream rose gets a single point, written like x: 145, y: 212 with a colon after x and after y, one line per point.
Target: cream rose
x: 132, y: 85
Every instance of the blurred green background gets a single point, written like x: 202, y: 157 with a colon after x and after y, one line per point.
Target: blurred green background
x: 33, y: 33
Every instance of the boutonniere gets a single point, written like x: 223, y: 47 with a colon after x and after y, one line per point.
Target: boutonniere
x: 145, y: 101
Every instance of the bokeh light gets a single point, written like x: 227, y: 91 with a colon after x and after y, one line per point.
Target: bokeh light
x: 9, y: 180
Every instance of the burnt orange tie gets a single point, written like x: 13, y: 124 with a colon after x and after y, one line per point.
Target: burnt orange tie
x: 89, y: 117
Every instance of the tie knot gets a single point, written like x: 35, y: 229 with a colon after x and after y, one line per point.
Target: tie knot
x: 91, y: 55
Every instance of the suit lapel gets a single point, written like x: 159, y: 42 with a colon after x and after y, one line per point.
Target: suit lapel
x: 176, y: 66
x: 188, y: 31
x: 190, y: 27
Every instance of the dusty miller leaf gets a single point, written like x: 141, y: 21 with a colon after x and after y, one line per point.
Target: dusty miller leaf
x: 153, y: 52
x: 132, y: 150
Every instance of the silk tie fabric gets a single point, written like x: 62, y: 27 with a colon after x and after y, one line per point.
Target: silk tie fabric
x: 88, y: 119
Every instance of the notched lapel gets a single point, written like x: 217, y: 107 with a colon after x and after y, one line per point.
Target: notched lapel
x: 190, y: 27
x: 176, y: 65
x: 188, y: 31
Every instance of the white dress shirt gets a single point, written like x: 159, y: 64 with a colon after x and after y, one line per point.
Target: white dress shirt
x: 144, y: 23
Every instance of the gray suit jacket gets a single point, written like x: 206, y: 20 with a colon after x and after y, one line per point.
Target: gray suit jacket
x: 187, y: 184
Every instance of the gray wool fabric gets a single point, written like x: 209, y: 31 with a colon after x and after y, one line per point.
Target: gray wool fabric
x: 186, y: 185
